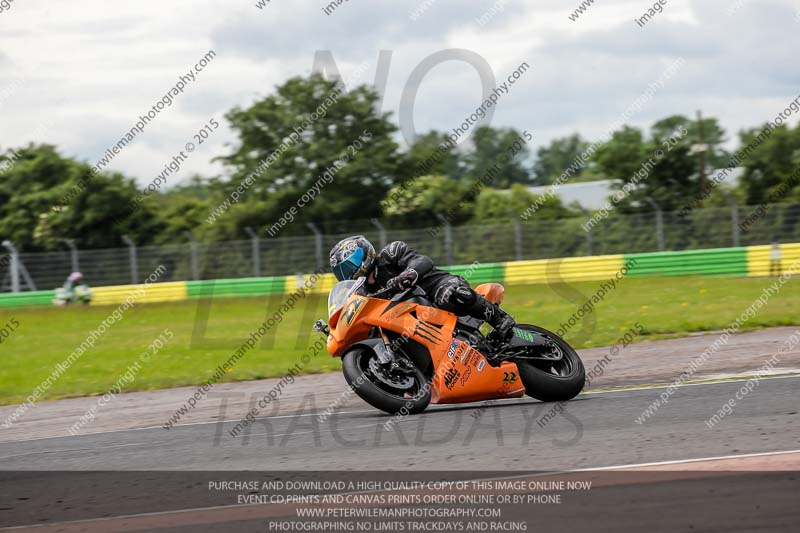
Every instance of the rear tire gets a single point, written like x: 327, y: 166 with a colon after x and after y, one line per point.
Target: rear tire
x: 357, y: 373
x: 552, y: 381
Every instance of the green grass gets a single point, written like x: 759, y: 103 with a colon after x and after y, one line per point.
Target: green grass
x: 665, y: 307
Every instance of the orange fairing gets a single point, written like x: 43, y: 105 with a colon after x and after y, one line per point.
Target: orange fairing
x: 463, y: 375
x: 460, y: 373
x: 493, y: 292
x: 428, y: 326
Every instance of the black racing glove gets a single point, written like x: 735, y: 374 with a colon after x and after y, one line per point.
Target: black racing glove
x: 405, y: 280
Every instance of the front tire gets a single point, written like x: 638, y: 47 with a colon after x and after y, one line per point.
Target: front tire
x: 406, y: 394
x: 552, y: 381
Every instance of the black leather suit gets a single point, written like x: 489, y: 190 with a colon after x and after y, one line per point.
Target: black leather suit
x: 448, y: 292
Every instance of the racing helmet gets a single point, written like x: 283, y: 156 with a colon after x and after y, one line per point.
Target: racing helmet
x: 352, y: 258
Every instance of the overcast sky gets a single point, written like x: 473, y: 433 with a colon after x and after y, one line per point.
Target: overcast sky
x: 78, y: 74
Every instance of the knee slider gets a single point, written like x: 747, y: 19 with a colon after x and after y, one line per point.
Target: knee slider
x: 464, y: 295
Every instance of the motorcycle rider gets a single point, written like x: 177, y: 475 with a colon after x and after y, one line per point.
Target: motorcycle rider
x: 74, y: 290
x: 397, y: 266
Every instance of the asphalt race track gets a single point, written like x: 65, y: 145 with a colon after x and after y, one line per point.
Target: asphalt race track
x: 596, y: 430
x: 593, y: 430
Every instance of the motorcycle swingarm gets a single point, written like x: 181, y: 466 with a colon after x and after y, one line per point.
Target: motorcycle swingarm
x: 522, y: 351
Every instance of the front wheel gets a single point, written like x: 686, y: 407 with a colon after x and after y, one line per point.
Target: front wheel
x: 403, y: 389
x: 552, y: 381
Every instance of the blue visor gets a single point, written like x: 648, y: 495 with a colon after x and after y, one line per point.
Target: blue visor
x: 347, y: 269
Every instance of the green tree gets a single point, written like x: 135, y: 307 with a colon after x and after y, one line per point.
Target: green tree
x: 178, y: 214
x: 487, y: 145
x: 424, y: 157
x: 659, y: 168
x: 334, y: 123
x: 418, y: 202
x: 37, y: 178
x: 622, y: 155
x: 703, y: 137
x: 494, y: 205
x: 552, y: 160
x: 772, y: 165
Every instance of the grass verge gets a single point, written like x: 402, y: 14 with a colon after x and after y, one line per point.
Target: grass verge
x: 207, y: 332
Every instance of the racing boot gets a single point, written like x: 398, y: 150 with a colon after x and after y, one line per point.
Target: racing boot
x: 502, y: 322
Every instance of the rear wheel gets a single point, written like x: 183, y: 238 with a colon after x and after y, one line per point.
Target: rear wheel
x: 400, y: 389
x: 552, y: 381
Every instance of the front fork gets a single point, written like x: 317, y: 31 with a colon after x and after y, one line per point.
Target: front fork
x: 382, y: 345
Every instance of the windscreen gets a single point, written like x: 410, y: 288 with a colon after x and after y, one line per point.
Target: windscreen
x: 341, y: 292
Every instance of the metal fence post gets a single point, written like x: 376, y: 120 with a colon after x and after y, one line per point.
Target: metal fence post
x: 734, y: 218
x: 518, y: 238
x: 589, y: 242
x: 659, y: 223
x: 255, y: 250
x: 13, y: 267
x: 193, y: 260
x: 134, y: 261
x: 381, y: 231
x: 448, y: 238
x: 318, y: 243
x: 76, y: 266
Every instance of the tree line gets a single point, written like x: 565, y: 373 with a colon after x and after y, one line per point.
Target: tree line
x: 409, y: 187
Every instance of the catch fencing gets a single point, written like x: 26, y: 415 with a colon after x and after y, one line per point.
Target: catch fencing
x: 716, y: 262
x: 518, y: 240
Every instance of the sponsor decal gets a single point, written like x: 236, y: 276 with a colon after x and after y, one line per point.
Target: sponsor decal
x: 427, y: 331
x: 509, y: 377
x: 524, y: 335
x: 352, y: 310
x: 452, y: 351
x: 465, y: 377
x: 481, y: 364
x: 397, y: 312
x: 450, y: 378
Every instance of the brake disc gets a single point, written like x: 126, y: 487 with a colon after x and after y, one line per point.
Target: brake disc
x: 392, y: 375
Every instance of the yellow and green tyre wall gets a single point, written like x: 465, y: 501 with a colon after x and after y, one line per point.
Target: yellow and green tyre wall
x: 743, y: 261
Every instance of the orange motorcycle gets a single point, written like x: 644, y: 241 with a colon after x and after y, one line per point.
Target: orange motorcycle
x: 399, y: 354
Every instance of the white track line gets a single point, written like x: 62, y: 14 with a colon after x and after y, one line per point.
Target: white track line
x: 688, y: 461
x: 105, y: 447
x: 541, y: 474
x: 622, y: 389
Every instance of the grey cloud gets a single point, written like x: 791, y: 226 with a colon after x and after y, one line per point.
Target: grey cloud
x: 354, y: 31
